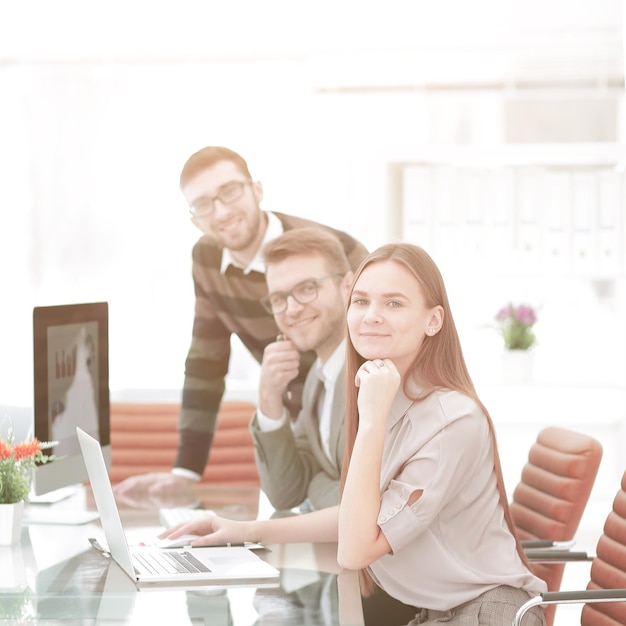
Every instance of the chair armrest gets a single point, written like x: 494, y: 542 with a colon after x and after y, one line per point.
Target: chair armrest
x: 570, y: 597
x: 559, y: 556
x: 546, y: 543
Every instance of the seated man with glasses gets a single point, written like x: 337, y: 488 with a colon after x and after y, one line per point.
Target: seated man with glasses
x: 229, y: 282
x: 308, y: 279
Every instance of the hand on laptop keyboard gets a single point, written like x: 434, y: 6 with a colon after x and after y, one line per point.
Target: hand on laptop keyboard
x: 179, y: 542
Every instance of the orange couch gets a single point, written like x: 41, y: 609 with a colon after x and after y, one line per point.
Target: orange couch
x: 144, y: 438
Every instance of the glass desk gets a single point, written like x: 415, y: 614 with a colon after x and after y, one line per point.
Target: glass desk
x: 54, y: 576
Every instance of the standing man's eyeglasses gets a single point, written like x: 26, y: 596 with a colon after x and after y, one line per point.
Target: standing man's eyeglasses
x: 303, y: 293
x: 227, y: 194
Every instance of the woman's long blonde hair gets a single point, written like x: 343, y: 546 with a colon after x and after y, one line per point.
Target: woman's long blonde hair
x: 438, y: 365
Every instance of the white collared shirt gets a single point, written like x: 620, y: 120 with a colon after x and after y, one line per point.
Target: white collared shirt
x: 328, y: 373
x: 274, y: 229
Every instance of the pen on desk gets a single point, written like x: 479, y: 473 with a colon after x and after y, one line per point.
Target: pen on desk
x: 282, y: 337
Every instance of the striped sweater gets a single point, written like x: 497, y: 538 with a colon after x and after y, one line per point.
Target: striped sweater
x: 225, y: 304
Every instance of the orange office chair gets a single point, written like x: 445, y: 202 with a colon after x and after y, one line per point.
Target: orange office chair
x: 550, y: 499
x: 605, y: 596
x: 144, y: 438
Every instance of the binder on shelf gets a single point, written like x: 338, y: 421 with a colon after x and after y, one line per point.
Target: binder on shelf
x: 610, y: 211
x: 584, y: 208
x: 556, y: 229
x: 471, y: 220
x: 499, y: 224
x: 530, y: 208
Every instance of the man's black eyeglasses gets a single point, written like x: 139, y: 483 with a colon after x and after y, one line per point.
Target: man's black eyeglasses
x: 227, y: 194
x: 304, y: 292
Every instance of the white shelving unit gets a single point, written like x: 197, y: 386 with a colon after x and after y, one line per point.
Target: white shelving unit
x: 520, y: 209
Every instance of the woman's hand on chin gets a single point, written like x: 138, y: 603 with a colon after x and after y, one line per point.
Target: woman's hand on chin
x: 378, y: 382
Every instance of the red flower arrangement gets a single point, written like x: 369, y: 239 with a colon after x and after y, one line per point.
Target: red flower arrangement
x: 16, y: 462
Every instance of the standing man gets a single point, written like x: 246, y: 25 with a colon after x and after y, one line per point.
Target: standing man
x: 229, y: 280
x: 308, y: 279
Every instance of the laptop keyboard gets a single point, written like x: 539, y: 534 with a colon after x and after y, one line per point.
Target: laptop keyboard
x: 168, y: 562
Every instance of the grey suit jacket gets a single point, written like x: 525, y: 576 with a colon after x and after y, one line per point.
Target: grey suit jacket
x: 291, y: 461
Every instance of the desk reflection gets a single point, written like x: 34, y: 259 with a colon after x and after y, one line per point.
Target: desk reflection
x: 56, y: 577
x: 244, y: 503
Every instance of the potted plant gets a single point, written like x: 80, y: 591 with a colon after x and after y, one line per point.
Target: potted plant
x: 515, y: 323
x: 17, y: 460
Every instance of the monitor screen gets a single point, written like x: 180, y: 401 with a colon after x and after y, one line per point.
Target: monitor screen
x: 71, y: 388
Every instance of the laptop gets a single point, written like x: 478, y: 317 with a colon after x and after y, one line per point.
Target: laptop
x: 150, y: 564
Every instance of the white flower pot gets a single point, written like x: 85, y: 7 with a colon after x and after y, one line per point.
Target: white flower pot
x: 11, y: 523
x: 12, y: 571
x: 517, y: 366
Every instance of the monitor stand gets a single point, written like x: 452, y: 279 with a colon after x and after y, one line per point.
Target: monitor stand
x: 56, y: 507
x: 58, y: 517
x: 52, y: 497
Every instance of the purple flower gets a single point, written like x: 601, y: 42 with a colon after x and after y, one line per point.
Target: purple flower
x: 526, y: 314
x: 515, y: 325
x: 504, y: 313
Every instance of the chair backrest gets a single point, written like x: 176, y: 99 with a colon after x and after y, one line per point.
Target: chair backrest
x: 550, y: 499
x: 144, y: 438
x: 608, y: 569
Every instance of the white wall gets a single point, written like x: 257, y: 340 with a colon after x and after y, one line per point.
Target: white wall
x: 98, y: 114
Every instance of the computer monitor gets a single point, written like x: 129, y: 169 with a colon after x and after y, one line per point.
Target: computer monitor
x: 71, y: 388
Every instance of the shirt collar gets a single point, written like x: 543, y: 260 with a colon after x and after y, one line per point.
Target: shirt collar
x: 399, y: 407
x: 273, y: 230
x: 329, y: 371
x: 402, y: 403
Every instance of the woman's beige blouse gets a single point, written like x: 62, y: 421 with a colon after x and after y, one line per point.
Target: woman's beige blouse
x: 453, y: 543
